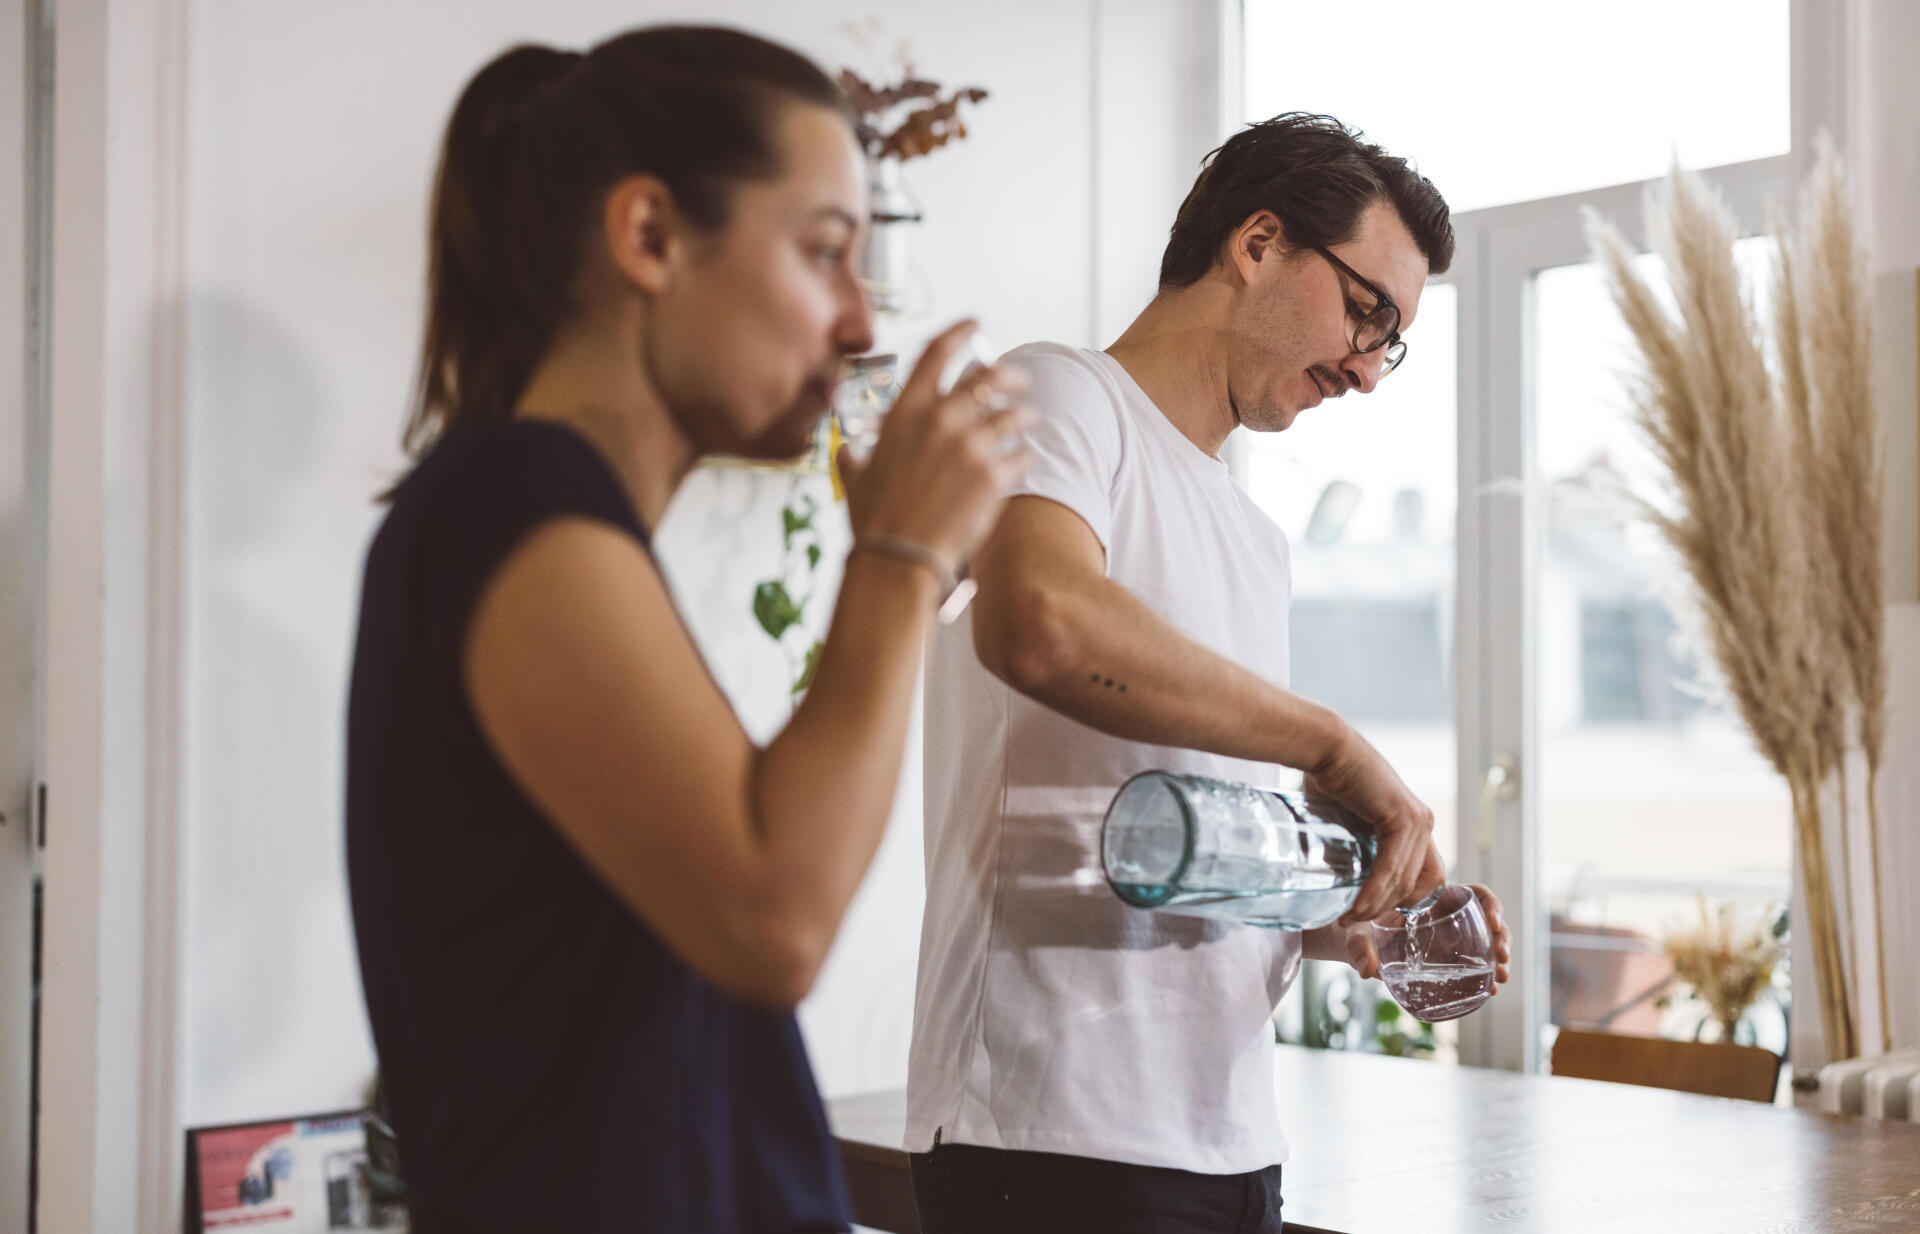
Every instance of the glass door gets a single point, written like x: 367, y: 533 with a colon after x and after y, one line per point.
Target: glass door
x: 1655, y: 811
x: 1614, y: 795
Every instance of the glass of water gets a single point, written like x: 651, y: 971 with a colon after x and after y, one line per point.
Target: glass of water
x: 867, y: 388
x: 871, y: 383
x: 1437, y: 959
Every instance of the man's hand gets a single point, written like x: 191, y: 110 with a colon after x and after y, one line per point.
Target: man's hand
x: 1407, y: 866
x: 1351, y: 944
x: 1354, y: 943
x: 1497, y: 924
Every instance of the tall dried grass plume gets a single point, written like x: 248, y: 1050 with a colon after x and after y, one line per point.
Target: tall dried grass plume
x: 1845, y: 498
x: 1773, y: 497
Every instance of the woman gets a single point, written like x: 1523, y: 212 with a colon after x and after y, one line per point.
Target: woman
x: 586, y: 904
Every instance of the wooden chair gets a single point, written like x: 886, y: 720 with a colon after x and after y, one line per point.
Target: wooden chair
x: 1711, y: 1068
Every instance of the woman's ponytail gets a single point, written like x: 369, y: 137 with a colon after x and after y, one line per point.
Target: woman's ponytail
x: 480, y: 342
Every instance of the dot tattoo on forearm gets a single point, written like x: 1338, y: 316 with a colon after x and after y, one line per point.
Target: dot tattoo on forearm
x: 1108, y: 683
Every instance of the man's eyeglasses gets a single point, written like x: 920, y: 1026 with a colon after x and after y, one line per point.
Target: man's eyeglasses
x: 1377, y: 327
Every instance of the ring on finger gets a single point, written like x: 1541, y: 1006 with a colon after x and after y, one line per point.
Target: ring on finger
x: 989, y: 399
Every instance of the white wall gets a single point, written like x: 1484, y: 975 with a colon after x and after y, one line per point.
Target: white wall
x: 1883, y: 150
x: 1883, y: 153
x: 1886, y: 152
x: 1853, y: 78
x: 312, y: 139
x: 1900, y: 820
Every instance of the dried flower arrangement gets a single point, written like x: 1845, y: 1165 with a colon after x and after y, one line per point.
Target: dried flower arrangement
x: 921, y: 130
x: 1727, y: 963
x: 1774, y: 508
x: 1825, y: 338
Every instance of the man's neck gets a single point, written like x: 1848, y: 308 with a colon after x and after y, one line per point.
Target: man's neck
x: 1175, y: 353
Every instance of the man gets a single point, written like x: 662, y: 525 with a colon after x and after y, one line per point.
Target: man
x: 1078, y: 1064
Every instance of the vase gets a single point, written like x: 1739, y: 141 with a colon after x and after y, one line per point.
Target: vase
x: 892, y: 209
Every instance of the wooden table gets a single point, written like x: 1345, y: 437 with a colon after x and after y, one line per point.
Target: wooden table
x: 1485, y: 1151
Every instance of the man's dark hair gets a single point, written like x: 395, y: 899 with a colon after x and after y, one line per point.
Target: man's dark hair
x: 1318, y: 176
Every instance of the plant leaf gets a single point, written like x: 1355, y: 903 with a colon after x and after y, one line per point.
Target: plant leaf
x: 797, y: 518
x: 806, y: 671
x: 774, y: 608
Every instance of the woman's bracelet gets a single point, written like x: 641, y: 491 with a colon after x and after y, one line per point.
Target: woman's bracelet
x: 915, y: 552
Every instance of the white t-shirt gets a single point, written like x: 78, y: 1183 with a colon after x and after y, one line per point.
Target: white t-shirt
x: 1049, y: 1015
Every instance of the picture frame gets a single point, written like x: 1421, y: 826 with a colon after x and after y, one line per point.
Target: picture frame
x: 307, y: 1174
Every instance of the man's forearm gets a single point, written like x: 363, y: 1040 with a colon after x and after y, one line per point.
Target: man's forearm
x: 1117, y: 666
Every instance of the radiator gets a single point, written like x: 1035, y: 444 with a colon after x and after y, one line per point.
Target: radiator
x: 1885, y: 1086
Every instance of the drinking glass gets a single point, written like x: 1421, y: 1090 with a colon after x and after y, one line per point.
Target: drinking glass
x: 867, y: 388
x: 871, y: 383
x: 1437, y: 963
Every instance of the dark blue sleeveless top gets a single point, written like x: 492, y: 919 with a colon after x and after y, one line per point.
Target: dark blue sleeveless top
x: 548, y: 1063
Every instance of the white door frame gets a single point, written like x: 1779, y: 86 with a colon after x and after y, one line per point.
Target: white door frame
x: 22, y: 520
x: 109, y: 1158
x: 1501, y: 559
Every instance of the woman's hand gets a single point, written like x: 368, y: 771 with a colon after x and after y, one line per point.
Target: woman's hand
x: 942, y: 464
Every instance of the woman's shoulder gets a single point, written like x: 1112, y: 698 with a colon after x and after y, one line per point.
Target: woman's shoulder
x: 492, y: 450
x: 516, y: 467
x: 471, y: 501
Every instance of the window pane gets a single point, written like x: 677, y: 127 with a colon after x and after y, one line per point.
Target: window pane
x: 1527, y: 99
x: 1364, y: 487
x: 1651, y: 794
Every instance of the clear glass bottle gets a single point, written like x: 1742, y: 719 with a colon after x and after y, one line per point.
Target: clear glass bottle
x: 1212, y: 848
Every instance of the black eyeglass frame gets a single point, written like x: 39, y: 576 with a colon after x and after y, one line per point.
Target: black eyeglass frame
x: 1383, y: 303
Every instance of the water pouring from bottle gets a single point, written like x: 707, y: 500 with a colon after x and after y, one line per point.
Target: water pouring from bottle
x: 1202, y: 847
x: 1437, y: 958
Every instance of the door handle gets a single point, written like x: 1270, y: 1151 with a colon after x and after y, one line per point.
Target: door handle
x: 1501, y: 783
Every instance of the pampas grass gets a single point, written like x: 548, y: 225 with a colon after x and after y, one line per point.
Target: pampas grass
x: 1774, y: 505
x: 1844, y: 501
